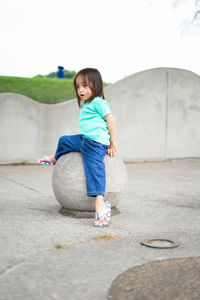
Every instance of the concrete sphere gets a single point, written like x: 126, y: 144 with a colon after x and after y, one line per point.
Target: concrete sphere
x: 69, y: 183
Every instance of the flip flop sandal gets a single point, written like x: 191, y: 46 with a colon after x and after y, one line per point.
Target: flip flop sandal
x: 107, y: 213
x: 46, y: 161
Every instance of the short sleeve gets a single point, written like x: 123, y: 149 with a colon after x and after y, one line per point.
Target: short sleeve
x: 102, y: 107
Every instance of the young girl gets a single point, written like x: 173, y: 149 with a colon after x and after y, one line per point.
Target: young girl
x: 96, y: 138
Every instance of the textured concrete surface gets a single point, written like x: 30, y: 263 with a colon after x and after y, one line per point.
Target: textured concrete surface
x: 69, y: 186
x: 33, y: 128
x: 177, y: 278
x: 162, y: 200
x: 157, y: 113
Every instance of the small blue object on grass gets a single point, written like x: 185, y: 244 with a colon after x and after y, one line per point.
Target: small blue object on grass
x: 60, y: 73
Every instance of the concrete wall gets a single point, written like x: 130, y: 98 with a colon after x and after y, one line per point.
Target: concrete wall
x: 157, y: 113
x: 29, y: 130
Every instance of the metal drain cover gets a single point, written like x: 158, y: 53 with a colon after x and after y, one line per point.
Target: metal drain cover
x: 160, y: 243
x: 169, y: 279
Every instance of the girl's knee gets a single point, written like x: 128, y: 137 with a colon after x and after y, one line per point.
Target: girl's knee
x: 61, y: 139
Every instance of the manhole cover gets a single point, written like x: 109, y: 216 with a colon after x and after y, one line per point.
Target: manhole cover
x: 168, y: 279
x: 160, y: 243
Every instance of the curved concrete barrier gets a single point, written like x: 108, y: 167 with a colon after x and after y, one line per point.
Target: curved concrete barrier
x: 157, y: 113
x: 30, y: 129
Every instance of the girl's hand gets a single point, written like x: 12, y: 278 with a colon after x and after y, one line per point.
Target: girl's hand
x: 112, y: 149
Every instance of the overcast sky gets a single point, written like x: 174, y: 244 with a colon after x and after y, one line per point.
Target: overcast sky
x: 119, y: 37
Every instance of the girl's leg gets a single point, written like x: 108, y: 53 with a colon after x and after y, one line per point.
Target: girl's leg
x: 93, y: 154
x: 93, y: 160
x: 68, y: 143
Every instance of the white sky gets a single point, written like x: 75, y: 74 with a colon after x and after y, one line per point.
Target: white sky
x: 119, y: 37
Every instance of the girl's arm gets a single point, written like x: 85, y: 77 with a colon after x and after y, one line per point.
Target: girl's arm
x: 111, y: 128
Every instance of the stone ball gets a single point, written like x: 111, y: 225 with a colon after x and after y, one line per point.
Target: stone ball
x: 69, y: 183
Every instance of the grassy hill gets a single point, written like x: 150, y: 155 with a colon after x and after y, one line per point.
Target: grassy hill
x: 46, y: 90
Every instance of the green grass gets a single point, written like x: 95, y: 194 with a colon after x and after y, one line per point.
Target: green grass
x: 61, y: 246
x: 45, y: 90
x: 106, y: 237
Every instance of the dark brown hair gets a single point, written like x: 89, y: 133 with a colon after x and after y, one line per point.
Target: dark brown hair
x: 94, y: 80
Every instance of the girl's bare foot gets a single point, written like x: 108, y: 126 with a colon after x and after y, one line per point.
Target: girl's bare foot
x: 100, y: 207
x: 50, y: 158
x: 47, y: 160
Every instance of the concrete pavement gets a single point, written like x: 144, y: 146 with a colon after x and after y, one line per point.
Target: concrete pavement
x: 162, y: 201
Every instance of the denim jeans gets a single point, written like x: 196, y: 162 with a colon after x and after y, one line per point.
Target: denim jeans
x: 93, y: 160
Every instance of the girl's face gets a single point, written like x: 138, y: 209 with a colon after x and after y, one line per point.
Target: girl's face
x: 83, y: 89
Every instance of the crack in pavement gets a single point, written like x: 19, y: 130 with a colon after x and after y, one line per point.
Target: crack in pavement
x: 21, y: 184
x: 11, y: 267
x: 40, y: 209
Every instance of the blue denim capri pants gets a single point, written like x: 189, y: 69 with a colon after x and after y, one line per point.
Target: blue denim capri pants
x: 93, y: 160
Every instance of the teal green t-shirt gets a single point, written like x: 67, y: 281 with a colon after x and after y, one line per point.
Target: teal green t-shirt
x: 91, y: 120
